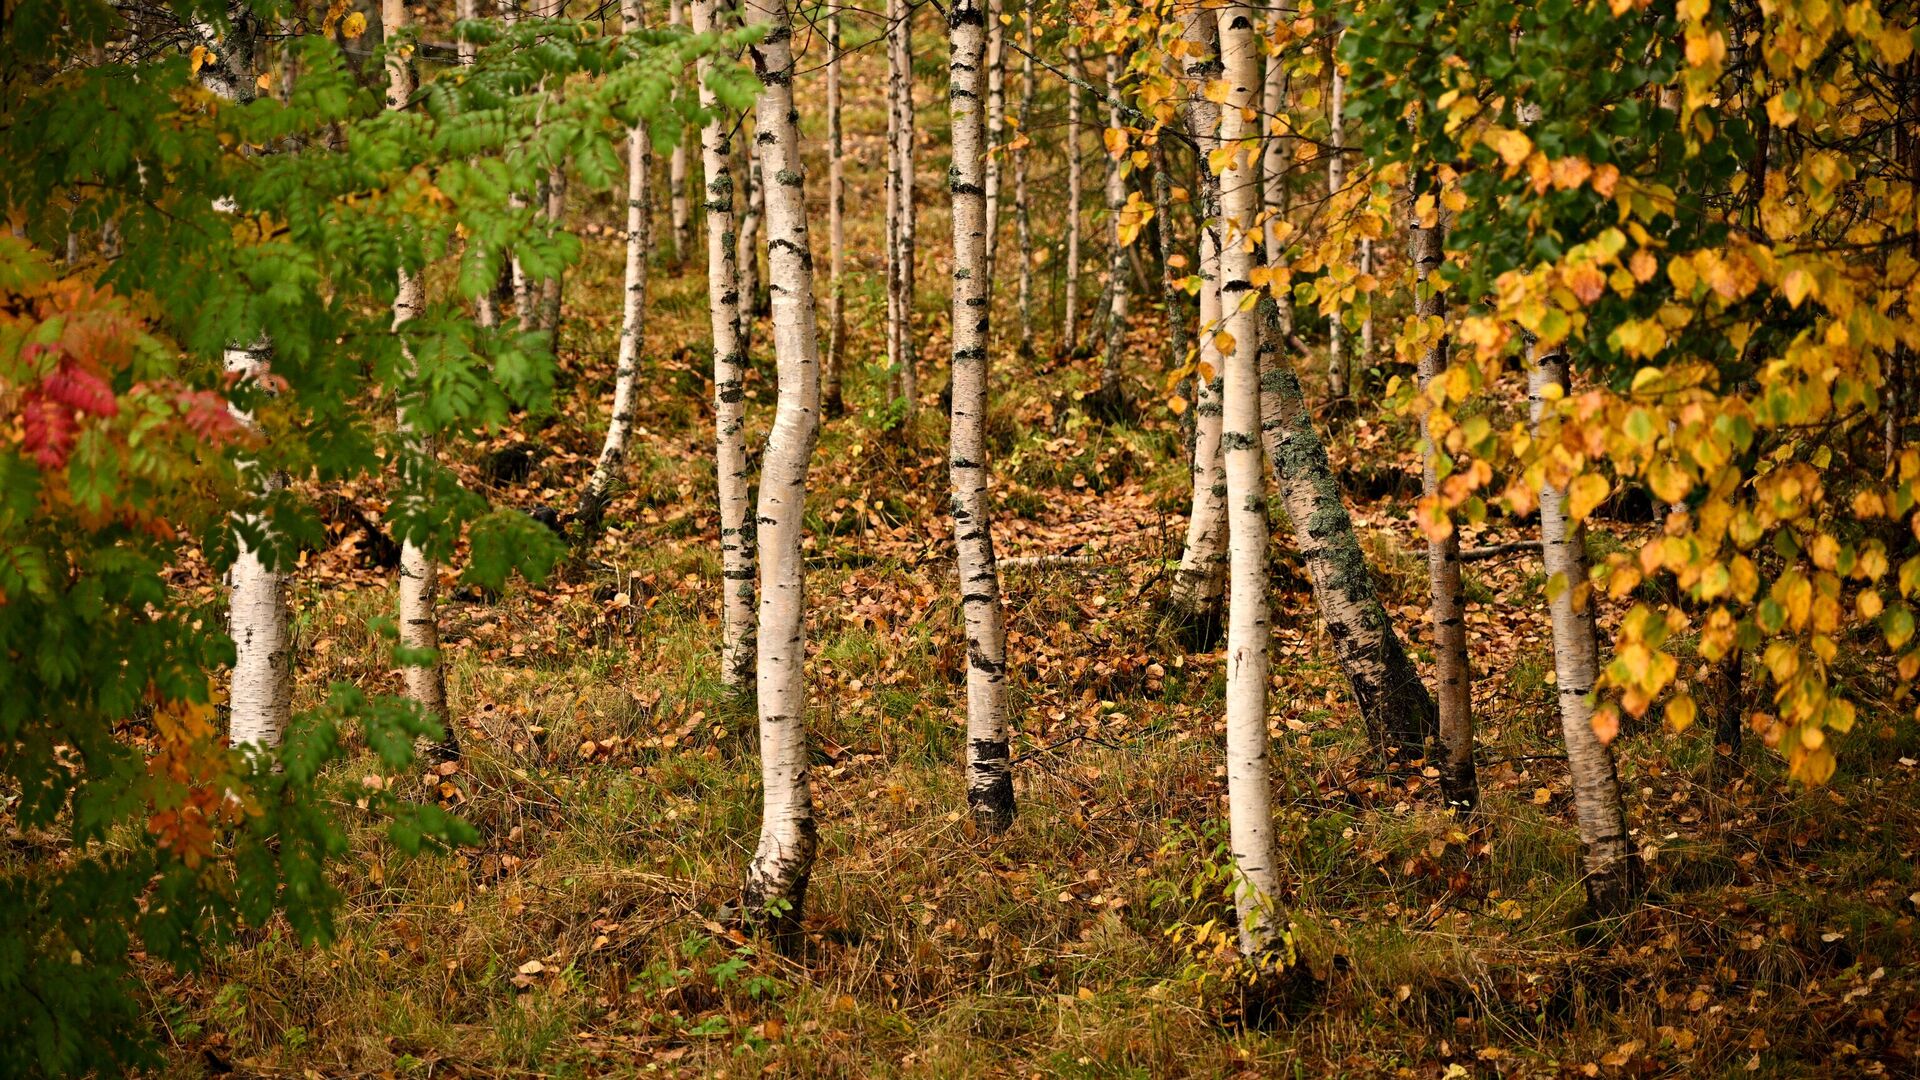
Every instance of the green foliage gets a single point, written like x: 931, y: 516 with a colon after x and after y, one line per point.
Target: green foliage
x: 284, y: 224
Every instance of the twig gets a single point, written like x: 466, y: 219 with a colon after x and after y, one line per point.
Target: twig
x: 1494, y: 551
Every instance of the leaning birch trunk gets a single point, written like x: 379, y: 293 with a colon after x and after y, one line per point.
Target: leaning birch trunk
x: 1611, y: 866
x: 1273, y: 166
x: 1023, y: 220
x: 832, y: 401
x: 1110, y: 396
x: 613, y: 450
x: 996, y: 101
x: 777, y: 878
x: 426, y: 683
x: 1249, y: 785
x: 260, y: 693
x: 1070, y: 326
x: 678, y: 208
x: 989, y: 772
x: 1452, y: 674
x: 1198, y: 584
x: 1394, y: 704
x: 737, y: 646
x: 1336, y: 179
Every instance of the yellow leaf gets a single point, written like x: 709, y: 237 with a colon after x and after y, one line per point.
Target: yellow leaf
x: 1177, y: 404
x: 353, y: 26
x: 1116, y: 141
x: 199, y: 58
x: 1216, y: 91
x: 1587, y: 491
x: 1606, y: 724
x: 1512, y: 146
x: 1225, y: 343
x: 1680, y: 712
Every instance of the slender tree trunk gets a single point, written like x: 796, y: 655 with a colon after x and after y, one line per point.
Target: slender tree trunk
x: 1274, y: 158
x: 737, y: 642
x: 548, y: 315
x: 260, y: 690
x: 1111, y: 395
x: 1173, y: 295
x: 784, y: 858
x: 1448, y: 602
x: 747, y: 253
x: 896, y: 85
x: 996, y: 126
x: 486, y: 311
x: 1336, y: 179
x: 1070, y: 328
x: 833, y: 402
x: 426, y: 683
x: 677, y: 174
x: 1023, y: 222
x: 908, y: 224
x: 1249, y: 784
x: 1393, y: 702
x: 1612, y: 866
x: 989, y: 772
x: 626, y: 377
x: 1200, y: 581
x: 1724, y: 697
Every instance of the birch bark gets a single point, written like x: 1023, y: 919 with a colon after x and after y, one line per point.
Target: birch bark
x: 613, y: 449
x: 989, y: 773
x: 1274, y: 159
x: 1110, y: 399
x: 1200, y: 581
x: 426, y: 683
x: 1070, y: 325
x: 1611, y: 865
x: 1023, y: 220
x: 678, y: 205
x: 783, y: 861
x: 1249, y: 785
x: 832, y: 401
x: 1447, y: 597
x: 1336, y: 179
x: 737, y: 525
x: 747, y: 250
x: 907, y: 225
x: 996, y: 101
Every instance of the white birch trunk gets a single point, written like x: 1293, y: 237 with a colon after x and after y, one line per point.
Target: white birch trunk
x: 1611, y: 865
x: 784, y: 858
x: 1111, y: 394
x: 677, y: 174
x: 1249, y: 785
x: 737, y: 526
x: 1452, y: 673
x: 833, y: 403
x: 1199, y: 582
x: 426, y: 683
x: 747, y: 242
x: 260, y: 687
x: 1274, y: 159
x: 486, y: 311
x: 1070, y: 328
x: 905, y: 353
x: 989, y: 773
x: 1023, y: 220
x: 1336, y: 179
x: 996, y: 126
x: 613, y: 449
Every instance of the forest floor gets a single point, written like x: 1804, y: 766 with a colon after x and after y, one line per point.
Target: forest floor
x: 614, y: 783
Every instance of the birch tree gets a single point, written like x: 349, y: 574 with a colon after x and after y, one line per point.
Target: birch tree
x: 1263, y: 928
x: 783, y: 860
x: 424, y: 673
x: 1022, y: 159
x: 1274, y: 158
x: 830, y: 391
x: 1336, y: 180
x: 989, y: 773
x: 613, y: 448
x: 996, y: 101
x: 746, y: 253
x: 737, y: 527
x: 1610, y: 865
x: 260, y: 686
x: 678, y: 204
x: 1070, y: 322
x: 1110, y: 399
x: 1452, y: 672
x: 1200, y: 581
x: 903, y: 355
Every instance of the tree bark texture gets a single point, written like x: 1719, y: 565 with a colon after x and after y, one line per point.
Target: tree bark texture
x: 784, y: 858
x: 996, y: 101
x: 1274, y: 158
x: 1336, y: 179
x: 832, y: 401
x: 1023, y: 219
x: 1111, y: 392
x: 678, y: 205
x: 989, y: 772
x: 737, y: 526
x: 1070, y: 324
x: 905, y: 352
